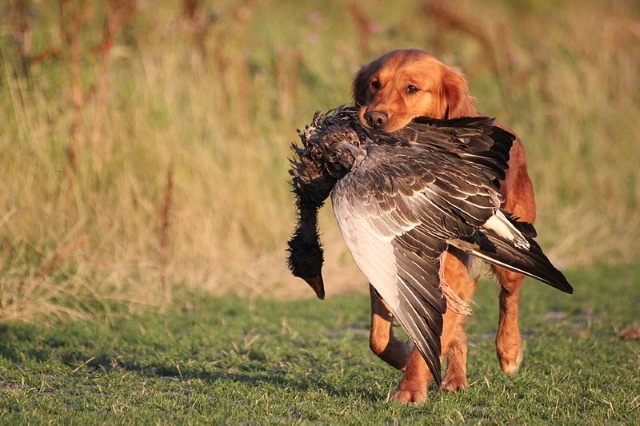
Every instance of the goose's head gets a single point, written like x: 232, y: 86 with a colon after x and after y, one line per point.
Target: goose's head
x: 305, y: 261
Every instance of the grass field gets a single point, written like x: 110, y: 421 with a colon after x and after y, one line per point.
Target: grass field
x: 230, y: 360
x: 145, y: 209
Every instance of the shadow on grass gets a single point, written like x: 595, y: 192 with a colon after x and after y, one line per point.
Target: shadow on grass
x: 28, y: 345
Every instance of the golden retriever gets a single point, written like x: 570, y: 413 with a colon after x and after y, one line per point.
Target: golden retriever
x: 390, y: 91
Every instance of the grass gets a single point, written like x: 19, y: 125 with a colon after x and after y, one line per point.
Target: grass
x: 228, y: 360
x: 158, y: 161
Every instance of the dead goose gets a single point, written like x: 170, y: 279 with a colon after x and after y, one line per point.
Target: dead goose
x: 400, y: 200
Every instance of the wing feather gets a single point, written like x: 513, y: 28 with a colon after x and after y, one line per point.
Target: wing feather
x: 400, y: 205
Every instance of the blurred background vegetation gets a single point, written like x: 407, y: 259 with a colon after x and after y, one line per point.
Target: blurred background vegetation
x: 144, y: 144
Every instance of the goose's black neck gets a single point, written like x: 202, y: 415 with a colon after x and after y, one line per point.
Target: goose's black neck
x: 305, y: 251
x: 329, y: 151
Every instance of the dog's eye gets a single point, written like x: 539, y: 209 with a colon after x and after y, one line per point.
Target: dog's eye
x: 375, y: 84
x: 412, y: 89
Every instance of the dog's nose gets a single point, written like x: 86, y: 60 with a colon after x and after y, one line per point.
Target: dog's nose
x: 376, y: 119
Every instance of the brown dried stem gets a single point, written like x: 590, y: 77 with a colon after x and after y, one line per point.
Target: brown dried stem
x: 164, y: 228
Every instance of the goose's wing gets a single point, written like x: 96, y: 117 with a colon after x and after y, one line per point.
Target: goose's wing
x: 475, y: 139
x: 396, y: 211
x: 504, y: 242
x: 399, y: 257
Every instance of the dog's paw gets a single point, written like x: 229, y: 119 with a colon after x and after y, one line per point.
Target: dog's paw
x: 410, y: 396
x: 511, y: 359
x: 454, y: 382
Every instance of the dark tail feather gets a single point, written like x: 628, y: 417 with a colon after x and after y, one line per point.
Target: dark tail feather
x: 501, y: 252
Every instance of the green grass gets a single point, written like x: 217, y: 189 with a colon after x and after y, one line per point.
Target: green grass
x: 236, y: 360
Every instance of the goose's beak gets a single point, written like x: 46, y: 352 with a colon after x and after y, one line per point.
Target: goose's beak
x: 317, y: 285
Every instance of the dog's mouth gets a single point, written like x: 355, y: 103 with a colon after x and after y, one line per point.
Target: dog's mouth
x: 394, y: 122
x: 381, y: 120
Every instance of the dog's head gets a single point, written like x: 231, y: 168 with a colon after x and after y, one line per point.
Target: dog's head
x: 404, y: 84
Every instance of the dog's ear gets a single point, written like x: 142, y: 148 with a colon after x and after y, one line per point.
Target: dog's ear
x: 361, y: 83
x: 459, y: 102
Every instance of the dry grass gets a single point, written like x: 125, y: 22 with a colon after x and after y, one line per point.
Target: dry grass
x: 153, y: 153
